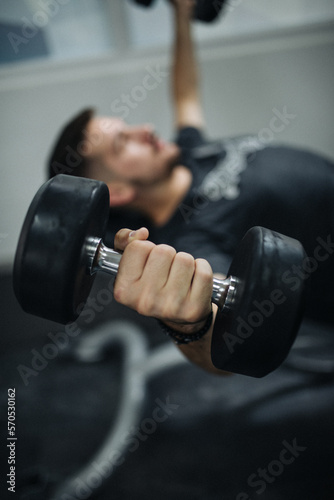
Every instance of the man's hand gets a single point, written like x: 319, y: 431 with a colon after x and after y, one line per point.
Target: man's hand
x: 157, y: 281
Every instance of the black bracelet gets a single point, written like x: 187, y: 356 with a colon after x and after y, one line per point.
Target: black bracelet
x: 186, y: 338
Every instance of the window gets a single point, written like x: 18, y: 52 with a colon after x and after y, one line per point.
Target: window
x: 56, y: 29
x: 238, y: 18
x: 72, y: 29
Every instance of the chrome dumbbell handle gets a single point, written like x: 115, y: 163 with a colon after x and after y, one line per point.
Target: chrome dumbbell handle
x: 102, y: 258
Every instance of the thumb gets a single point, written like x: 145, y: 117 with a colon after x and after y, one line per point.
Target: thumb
x: 124, y: 236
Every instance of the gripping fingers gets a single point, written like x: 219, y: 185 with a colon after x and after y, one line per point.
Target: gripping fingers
x: 189, y: 290
x: 142, y: 276
x: 201, y: 290
x: 156, y: 281
x: 186, y: 296
x: 152, y: 285
x: 178, y: 286
x: 143, y: 272
x: 125, y: 236
x: 130, y: 271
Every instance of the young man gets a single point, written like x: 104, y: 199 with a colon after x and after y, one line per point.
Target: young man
x: 200, y: 198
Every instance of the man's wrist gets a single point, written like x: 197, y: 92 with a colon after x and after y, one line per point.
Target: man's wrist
x: 187, y: 328
x: 189, y: 332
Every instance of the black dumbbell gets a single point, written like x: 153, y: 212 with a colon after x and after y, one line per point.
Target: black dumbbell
x: 60, y: 249
x: 205, y: 10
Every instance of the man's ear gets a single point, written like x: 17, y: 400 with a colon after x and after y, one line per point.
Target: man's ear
x: 120, y: 194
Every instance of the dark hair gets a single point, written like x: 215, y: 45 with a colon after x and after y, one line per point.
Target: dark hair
x: 66, y: 157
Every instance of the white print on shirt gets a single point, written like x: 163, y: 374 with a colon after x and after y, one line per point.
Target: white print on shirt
x: 223, y: 180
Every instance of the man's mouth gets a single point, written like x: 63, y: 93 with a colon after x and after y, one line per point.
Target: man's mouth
x: 160, y: 144
x: 157, y: 143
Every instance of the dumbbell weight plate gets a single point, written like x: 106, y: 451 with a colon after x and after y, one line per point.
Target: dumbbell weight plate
x: 208, y: 10
x: 205, y: 10
x: 144, y: 3
x: 48, y: 278
x: 255, y: 335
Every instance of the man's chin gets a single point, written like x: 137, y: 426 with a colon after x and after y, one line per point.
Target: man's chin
x: 175, y: 158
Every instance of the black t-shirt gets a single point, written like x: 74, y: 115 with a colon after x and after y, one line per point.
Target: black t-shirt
x: 240, y: 183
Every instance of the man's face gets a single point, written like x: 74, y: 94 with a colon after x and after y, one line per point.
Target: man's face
x: 132, y: 154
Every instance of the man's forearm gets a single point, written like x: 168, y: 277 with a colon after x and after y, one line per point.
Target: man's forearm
x: 185, y: 78
x: 185, y: 81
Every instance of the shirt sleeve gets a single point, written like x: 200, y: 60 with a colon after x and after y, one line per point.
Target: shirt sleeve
x: 189, y: 137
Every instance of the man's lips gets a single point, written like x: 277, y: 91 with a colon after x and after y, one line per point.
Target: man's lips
x: 157, y: 143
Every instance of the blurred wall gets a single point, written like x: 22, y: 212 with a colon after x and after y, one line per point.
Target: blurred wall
x: 245, y: 84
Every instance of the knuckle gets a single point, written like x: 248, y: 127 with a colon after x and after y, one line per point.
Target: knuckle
x: 120, y: 293
x: 204, y: 271
x: 164, y: 251
x: 140, y: 246
x: 185, y: 260
x: 196, y: 314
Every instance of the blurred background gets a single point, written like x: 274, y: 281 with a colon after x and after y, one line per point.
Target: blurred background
x: 259, y: 60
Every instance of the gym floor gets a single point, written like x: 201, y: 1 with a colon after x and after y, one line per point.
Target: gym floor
x: 197, y: 436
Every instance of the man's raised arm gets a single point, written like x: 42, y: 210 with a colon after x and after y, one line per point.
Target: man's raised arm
x: 185, y: 81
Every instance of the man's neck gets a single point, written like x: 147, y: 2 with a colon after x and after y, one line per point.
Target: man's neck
x: 160, y: 202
